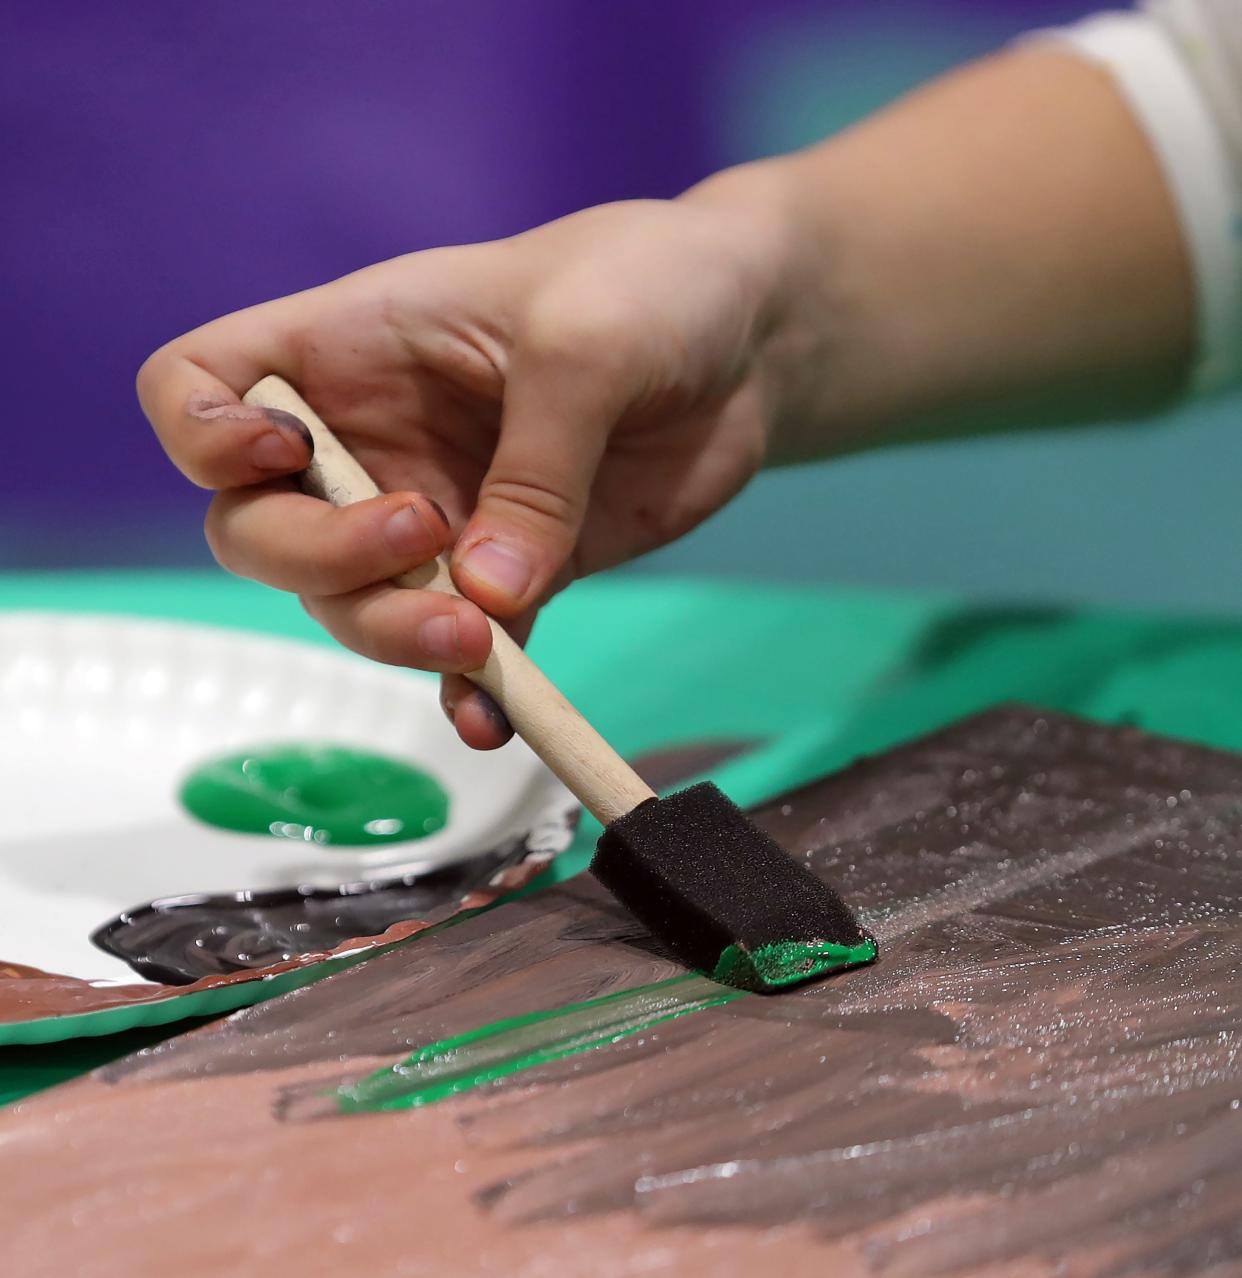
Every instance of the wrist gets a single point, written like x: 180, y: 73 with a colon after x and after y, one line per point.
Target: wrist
x: 796, y: 324
x: 997, y: 249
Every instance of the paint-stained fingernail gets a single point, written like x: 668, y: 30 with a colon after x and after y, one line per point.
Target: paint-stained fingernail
x: 437, y: 637
x: 292, y: 423
x: 498, y: 566
x: 435, y: 505
x: 406, y: 532
x: 205, y: 409
x: 498, y: 718
x: 277, y: 452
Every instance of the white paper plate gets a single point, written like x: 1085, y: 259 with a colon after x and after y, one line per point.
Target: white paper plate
x: 102, y: 717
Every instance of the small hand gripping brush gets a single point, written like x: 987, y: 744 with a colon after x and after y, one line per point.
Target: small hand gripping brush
x: 721, y: 895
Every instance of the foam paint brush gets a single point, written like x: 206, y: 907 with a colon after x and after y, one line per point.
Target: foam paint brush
x: 720, y: 895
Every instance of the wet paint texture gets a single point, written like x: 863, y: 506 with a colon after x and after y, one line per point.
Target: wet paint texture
x: 506, y: 1047
x: 192, y: 943
x: 786, y: 963
x: 317, y: 794
x: 1042, y: 1076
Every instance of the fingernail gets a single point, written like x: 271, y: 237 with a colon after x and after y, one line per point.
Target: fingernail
x: 437, y: 637
x: 213, y: 410
x: 405, y: 532
x: 495, y: 564
x: 489, y: 707
x: 290, y: 422
x: 273, y: 451
x: 435, y: 505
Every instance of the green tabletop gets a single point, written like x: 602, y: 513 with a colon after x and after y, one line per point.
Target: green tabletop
x: 820, y: 675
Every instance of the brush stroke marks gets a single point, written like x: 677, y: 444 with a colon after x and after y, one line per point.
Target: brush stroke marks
x: 505, y: 1047
x: 1042, y: 1076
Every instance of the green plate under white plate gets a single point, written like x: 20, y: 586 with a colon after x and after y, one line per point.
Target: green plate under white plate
x: 178, y: 1007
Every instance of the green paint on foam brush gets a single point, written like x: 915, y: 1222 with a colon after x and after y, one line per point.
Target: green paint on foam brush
x: 784, y: 963
x: 320, y: 794
x: 465, y: 1061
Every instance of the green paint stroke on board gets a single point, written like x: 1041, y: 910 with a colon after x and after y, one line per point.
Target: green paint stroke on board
x: 322, y: 794
x: 465, y: 1061
x: 505, y: 1047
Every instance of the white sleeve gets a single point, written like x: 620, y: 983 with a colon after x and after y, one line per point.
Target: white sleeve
x: 1179, y: 65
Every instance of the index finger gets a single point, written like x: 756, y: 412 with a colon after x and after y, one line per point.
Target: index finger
x: 191, y: 393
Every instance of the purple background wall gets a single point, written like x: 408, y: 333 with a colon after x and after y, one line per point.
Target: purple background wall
x: 167, y: 162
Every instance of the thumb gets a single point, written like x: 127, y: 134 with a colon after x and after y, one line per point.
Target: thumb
x: 555, y: 423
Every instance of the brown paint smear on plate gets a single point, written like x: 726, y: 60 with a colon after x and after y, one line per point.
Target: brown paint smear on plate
x: 30, y: 993
x: 1041, y: 1076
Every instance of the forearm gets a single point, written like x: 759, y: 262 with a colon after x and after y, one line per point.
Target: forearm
x: 996, y: 249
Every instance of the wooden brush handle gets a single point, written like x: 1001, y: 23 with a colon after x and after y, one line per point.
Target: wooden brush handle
x: 604, y: 783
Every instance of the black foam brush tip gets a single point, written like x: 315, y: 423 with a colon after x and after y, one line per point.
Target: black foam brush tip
x: 723, y: 896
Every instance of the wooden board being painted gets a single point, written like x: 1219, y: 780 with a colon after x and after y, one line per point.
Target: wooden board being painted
x: 1040, y: 1076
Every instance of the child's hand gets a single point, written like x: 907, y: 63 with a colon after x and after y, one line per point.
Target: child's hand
x: 998, y: 248
x: 549, y: 405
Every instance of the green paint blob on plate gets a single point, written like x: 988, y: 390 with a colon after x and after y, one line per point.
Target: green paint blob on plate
x: 321, y: 794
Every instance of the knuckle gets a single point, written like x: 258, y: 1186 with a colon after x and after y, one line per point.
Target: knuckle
x: 148, y: 377
x: 198, y: 473
x: 343, y: 622
x: 342, y: 554
x: 332, y: 570
x: 581, y: 324
x: 202, y: 466
x: 143, y: 380
x: 215, y: 532
x: 312, y: 606
x: 365, y: 626
x: 534, y: 493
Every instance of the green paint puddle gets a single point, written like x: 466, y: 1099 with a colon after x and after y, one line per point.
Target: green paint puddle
x: 505, y: 1047
x: 317, y: 794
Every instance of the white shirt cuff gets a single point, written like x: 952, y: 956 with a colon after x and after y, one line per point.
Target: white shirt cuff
x: 1195, y: 159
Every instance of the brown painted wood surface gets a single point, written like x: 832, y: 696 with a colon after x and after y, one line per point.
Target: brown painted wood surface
x: 1042, y: 1075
